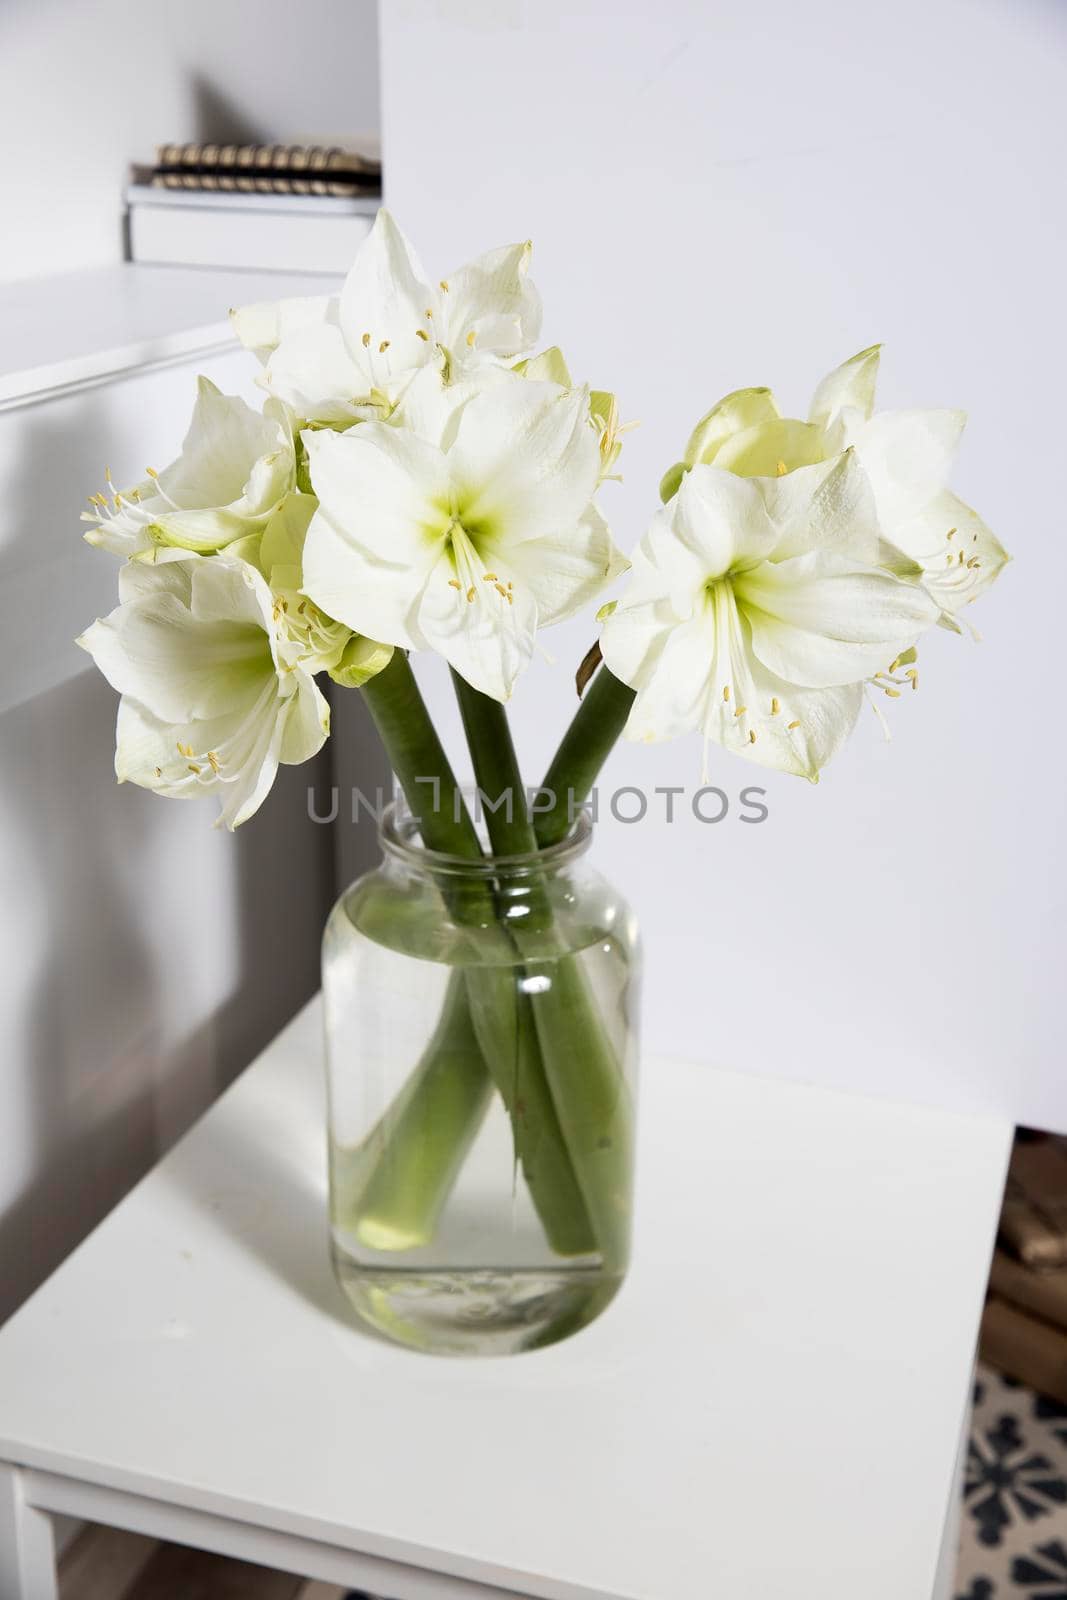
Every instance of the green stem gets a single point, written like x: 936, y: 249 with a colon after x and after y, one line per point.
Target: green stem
x: 390, y: 1192
x: 590, y: 1093
x: 583, y: 1078
x: 540, y: 1141
x: 418, y: 758
x: 501, y: 1028
x: 586, y: 745
x: 496, y: 771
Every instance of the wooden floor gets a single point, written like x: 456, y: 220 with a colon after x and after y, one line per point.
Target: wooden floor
x: 107, y: 1564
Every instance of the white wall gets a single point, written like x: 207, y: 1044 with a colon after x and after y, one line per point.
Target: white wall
x: 723, y: 195
x: 144, y: 956
x: 86, y: 89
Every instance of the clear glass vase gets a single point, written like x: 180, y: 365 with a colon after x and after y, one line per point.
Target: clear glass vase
x: 481, y: 1033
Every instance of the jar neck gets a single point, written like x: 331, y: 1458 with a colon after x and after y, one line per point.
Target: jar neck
x: 401, y: 841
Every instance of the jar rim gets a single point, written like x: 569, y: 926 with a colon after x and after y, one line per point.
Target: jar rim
x: 398, y: 835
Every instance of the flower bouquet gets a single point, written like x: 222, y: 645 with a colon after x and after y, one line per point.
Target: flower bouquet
x: 420, y: 479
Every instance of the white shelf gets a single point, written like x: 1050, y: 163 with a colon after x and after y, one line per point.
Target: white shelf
x: 774, y: 1403
x: 82, y: 328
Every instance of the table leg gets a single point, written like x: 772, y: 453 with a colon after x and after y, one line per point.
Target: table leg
x: 27, y: 1546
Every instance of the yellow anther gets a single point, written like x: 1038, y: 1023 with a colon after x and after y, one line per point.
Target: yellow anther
x: 420, y: 333
x: 510, y: 596
x: 471, y: 592
x: 429, y: 313
x: 454, y: 583
x: 444, y: 285
x: 159, y: 772
x: 973, y: 562
x: 894, y: 694
x: 792, y: 725
x: 490, y: 577
x: 366, y: 341
x: 194, y: 768
x: 471, y: 338
x: 740, y: 711
x: 501, y: 591
x: 213, y: 760
x: 383, y: 347
x: 751, y: 735
x: 912, y: 672
x: 726, y: 692
x: 151, y: 471
x: 961, y: 558
x: 781, y: 469
x: 775, y: 706
x: 184, y: 749
x: 951, y: 534
x: 914, y: 679
x: 948, y: 559
x: 893, y: 665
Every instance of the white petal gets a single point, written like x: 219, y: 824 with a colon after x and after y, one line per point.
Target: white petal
x: 670, y: 664
x: 262, y: 327
x: 957, y: 568
x: 314, y: 372
x: 386, y: 297
x: 850, y: 386
x: 818, y: 621
x: 492, y: 299
x: 829, y: 506
x: 431, y: 408
x: 305, y: 722
x: 565, y: 572
x: 722, y: 519
x: 701, y: 676
x: 488, y: 639
x: 526, y: 460
x: 907, y: 455
x: 383, y: 515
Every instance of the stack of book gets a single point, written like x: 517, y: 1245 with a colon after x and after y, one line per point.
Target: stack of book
x: 1024, y: 1326
x: 282, y: 208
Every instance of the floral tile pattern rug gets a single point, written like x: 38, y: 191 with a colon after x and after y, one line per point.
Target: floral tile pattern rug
x: 1014, y: 1538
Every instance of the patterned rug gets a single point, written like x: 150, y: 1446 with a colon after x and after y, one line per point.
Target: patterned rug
x: 1014, y: 1541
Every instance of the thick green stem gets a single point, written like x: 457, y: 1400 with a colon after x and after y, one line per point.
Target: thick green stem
x: 500, y: 1026
x: 390, y: 1192
x: 496, y: 771
x: 418, y: 758
x: 582, y: 1074
x: 586, y: 745
x: 540, y: 1141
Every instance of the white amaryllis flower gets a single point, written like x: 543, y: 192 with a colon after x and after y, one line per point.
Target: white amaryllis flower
x: 215, y: 694
x: 235, y: 468
x: 755, y: 612
x: 464, y: 530
x: 907, y: 456
x: 348, y: 358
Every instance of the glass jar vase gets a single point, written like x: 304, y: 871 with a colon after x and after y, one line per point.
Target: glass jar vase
x: 481, y: 1043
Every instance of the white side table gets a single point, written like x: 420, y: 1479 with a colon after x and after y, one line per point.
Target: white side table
x: 772, y: 1406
